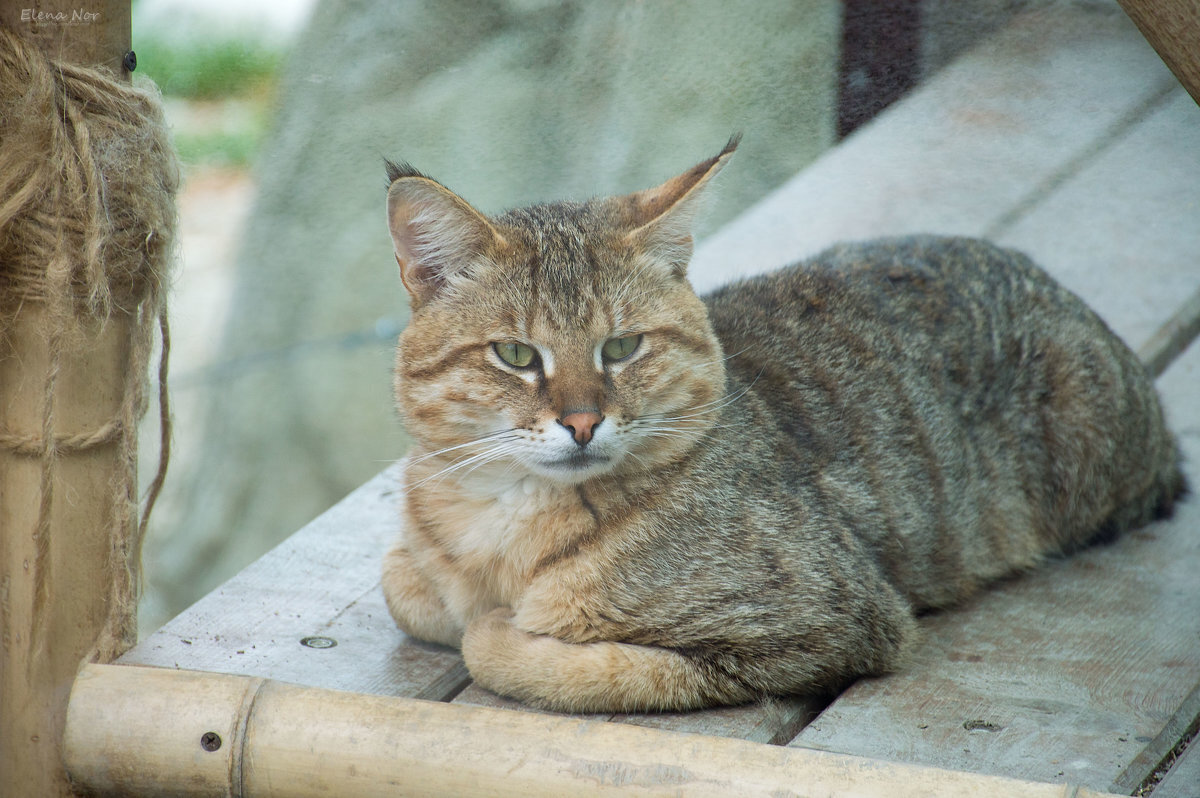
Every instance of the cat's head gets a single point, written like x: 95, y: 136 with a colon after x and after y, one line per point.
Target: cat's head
x: 561, y: 340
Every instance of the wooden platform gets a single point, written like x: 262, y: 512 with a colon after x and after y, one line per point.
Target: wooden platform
x: 1065, y: 136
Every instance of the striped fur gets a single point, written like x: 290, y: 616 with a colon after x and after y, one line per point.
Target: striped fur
x: 787, y: 472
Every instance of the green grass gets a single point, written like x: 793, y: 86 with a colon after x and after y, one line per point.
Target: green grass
x: 221, y: 87
x: 220, y: 148
x: 208, y: 67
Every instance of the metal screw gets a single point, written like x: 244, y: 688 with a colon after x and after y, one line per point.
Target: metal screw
x: 130, y: 60
x: 210, y: 741
x: 318, y: 642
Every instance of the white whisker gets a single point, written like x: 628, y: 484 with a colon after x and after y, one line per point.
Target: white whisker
x: 499, y: 449
x: 490, y: 437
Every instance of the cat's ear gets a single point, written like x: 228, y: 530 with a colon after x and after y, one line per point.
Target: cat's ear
x: 662, y: 216
x: 436, y: 233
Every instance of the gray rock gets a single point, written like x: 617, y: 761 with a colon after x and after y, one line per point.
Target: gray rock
x: 507, y: 103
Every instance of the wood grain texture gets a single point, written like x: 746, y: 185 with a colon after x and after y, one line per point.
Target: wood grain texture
x: 1122, y: 229
x: 1064, y: 135
x: 1160, y: 753
x: 1065, y: 674
x: 44, y: 642
x: 1174, y: 336
x: 962, y: 151
x: 1182, y: 780
x: 1173, y: 28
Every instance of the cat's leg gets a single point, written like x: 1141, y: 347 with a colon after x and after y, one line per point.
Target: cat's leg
x: 588, y: 677
x: 414, y: 602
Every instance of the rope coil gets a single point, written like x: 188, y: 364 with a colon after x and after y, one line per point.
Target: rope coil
x: 87, y: 221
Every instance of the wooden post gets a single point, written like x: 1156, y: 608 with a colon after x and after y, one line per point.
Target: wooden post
x: 93, y: 33
x: 1173, y: 29
x: 41, y: 655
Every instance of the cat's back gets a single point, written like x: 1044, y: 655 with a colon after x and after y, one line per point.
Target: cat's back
x: 951, y: 403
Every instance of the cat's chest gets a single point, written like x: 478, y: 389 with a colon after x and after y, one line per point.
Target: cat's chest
x: 496, y: 534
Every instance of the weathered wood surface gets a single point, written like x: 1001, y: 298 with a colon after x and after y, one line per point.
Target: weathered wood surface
x: 1183, y: 780
x: 983, y: 143
x: 1173, y: 28
x: 1161, y: 755
x: 1064, y: 674
x: 1071, y: 672
x: 322, y: 582
x: 1122, y: 229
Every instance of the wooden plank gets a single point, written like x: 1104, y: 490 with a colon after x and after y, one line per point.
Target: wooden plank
x: 1183, y: 779
x: 322, y: 582
x: 964, y: 149
x: 1174, y: 336
x: 1065, y: 674
x: 1173, y: 28
x: 1123, y: 230
x: 1149, y: 767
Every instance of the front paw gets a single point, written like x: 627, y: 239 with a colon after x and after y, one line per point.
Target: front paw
x: 503, y: 658
x: 491, y: 639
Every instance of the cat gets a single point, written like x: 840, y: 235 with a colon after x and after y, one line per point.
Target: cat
x: 623, y: 497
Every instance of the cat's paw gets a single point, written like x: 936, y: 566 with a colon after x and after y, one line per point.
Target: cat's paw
x: 491, y: 640
x: 508, y: 660
x: 552, y: 674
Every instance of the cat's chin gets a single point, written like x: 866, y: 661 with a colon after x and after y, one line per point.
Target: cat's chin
x: 575, y: 468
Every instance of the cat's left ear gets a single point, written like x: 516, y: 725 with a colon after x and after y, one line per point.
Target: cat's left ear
x: 437, y: 235
x: 662, y: 216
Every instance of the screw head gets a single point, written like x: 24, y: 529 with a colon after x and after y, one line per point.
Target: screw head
x: 318, y: 642
x: 210, y: 741
x: 130, y: 60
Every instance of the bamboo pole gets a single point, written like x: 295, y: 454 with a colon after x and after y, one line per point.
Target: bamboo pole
x: 40, y: 655
x: 135, y: 731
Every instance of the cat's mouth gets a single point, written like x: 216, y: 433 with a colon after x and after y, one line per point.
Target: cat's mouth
x: 579, y: 460
x: 577, y: 465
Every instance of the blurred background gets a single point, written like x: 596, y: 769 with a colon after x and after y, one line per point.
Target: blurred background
x: 286, y: 302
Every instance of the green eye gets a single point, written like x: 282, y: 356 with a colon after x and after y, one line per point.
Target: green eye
x: 515, y: 354
x: 620, y: 348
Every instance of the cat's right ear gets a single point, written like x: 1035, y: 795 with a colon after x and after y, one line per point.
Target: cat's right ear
x: 662, y: 216
x: 436, y: 234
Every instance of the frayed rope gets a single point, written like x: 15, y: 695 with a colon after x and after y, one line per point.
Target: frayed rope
x: 87, y: 223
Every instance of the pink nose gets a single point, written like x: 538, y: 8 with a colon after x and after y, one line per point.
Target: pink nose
x: 581, y: 425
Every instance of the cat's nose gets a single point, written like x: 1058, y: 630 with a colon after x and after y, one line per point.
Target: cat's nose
x: 581, y: 423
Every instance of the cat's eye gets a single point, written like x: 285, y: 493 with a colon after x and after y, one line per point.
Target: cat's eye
x: 515, y: 354
x: 620, y: 348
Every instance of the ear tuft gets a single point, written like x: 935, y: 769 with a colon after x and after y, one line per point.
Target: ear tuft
x: 662, y: 217
x: 397, y: 170
x: 436, y: 234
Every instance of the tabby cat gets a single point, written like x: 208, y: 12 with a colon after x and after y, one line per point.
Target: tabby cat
x: 624, y: 497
